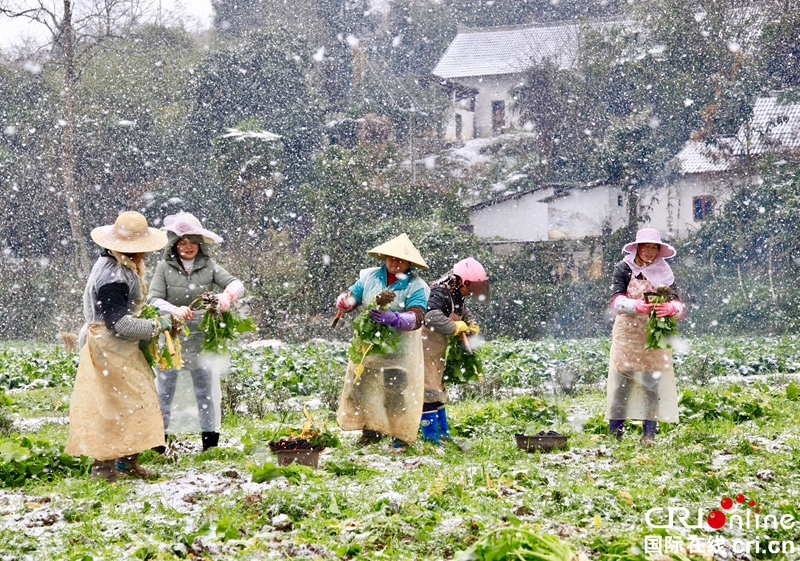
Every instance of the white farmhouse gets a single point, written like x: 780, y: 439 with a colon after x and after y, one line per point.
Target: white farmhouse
x: 480, y: 66
x: 706, y: 175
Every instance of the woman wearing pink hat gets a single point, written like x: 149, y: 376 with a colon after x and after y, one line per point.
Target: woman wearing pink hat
x: 185, y: 273
x: 447, y: 317
x: 641, y: 382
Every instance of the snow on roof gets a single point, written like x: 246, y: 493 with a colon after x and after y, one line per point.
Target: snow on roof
x: 773, y: 126
x: 701, y: 157
x: 512, y: 49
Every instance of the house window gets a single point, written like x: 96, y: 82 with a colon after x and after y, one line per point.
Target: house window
x: 619, y: 200
x: 459, y: 126
x: 498, y: 116
x: 703, y: 207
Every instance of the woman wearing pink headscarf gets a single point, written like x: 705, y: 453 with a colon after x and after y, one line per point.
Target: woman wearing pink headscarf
x: 641, y: 382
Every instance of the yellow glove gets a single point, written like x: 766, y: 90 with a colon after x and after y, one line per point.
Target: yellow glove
x: 461, y: 327
x: 473, y: 329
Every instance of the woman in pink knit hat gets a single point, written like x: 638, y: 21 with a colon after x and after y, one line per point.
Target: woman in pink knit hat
x: 641, y: 382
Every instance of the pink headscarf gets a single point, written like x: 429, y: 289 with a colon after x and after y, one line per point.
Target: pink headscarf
x: 658, y: 272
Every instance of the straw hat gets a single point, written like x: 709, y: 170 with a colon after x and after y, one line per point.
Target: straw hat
x: 650, y: 235
x: 129, y: 234
x: 186, y: 224
x: 400, y: 247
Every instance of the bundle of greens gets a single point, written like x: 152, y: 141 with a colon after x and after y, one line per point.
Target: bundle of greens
x: 461, y: 366
x: 219, y: 327
x: 659, y: 330
x: 371, y: 337
x: 312, y: 436
x: 168, y: 356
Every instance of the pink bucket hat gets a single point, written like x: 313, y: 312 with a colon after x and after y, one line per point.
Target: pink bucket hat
x: 650, y: 235
x: 186, y: 224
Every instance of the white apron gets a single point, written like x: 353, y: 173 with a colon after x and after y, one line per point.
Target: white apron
x: 641, y: 382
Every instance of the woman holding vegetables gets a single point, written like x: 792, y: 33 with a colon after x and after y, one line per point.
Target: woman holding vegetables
x: 186, y: 272
x: 641, y: 379
x: 113, y: 412
x: 447, y: 317
x: 383, y: 393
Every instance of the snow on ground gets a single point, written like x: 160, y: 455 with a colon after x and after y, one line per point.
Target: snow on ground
x: 470, y: 153
x: 182, y: 493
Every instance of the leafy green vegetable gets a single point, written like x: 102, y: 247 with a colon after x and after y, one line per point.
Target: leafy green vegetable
x: 733, y: 403
x: 23, y: 458
x: 519, y: 543
x: 659, y: 330
x: 371, y: 337
x: 461, y: 366
x: 221, y: 329
x: 161, y: 356
x: 294, y: 472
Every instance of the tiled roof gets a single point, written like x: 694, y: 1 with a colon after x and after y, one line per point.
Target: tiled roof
x: 512, y: 49
x: 774, y: 126
x: 700, y: 157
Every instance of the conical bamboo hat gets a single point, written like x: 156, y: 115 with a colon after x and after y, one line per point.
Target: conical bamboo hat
x: 400, y: 247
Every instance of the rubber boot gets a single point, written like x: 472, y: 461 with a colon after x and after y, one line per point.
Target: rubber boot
x: 105, y: 469
x: 649, y: 431
x: 399, y: 445
x: 210, y: 440
x: 616, y: 427
x: 430, y: 426
x: 444, y: 427
x: 129, y: 465
x: 369, y: 437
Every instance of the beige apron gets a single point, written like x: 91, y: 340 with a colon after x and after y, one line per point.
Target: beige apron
x: 114, y: 408
x: 388, y: 397
x: 434, y: 346
x: 641, y: 382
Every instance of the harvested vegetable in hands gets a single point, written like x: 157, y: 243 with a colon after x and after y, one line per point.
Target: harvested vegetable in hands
x: 461, y: 366
x: 371, y: 337
x: 658, y: 330
x: 219, y: 327
x: 169, y: 356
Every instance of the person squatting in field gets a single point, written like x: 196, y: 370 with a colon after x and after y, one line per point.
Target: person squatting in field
x: 447, y: 316
x: 641, y: 382
x: 185, y: 273
x: 113, y: 413
x: 387, y: 398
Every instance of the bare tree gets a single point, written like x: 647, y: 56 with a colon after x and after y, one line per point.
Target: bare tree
x: 76, y: 31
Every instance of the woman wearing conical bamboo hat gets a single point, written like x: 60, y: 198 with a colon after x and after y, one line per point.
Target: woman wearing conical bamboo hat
x: 384, y: 394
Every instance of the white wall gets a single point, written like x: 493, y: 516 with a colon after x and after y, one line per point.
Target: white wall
x: 490, y: 88
x: 542, y: 215
x: 583, y: 212
x: 522, y: 219
x: 467, y: 118
x: 671, y: 207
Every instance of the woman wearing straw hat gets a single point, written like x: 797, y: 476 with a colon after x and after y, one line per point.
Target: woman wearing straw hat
x: 185, y: 273
x: 447, y: 316
x: 113, y: 413
x: 641, y: 383
x: 388, y: 397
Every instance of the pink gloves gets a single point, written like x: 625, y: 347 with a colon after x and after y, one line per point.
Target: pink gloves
x: 671, y: 308
x: 183, y: 312
x: 225, y: 299
x: 345, y: 302
x: 640, y: 307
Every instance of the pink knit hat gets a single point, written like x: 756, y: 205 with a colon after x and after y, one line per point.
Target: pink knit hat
x: 650, y: 235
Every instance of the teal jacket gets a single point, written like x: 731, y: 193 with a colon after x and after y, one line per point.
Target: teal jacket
x: 410, y: 291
